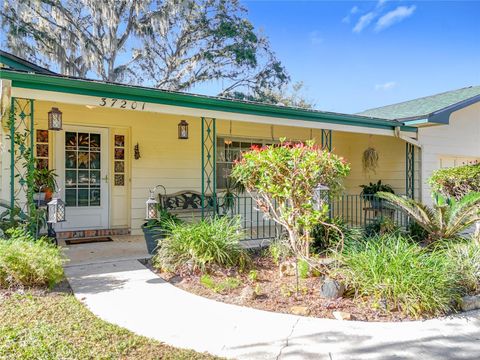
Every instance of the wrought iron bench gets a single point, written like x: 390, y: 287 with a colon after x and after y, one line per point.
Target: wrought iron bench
x: 186, y: 204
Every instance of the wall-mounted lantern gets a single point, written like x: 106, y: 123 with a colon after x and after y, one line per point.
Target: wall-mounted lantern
x: 55, y: 119
x: 183, y: 130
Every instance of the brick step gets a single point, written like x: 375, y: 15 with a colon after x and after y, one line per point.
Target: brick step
x: 78, y: 234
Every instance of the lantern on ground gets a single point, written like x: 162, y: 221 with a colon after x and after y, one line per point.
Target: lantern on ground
x: 56, y: 211
x: 183, y: 130
x: 320, y: 194
x: 55, y: 119
x: 151, y: 205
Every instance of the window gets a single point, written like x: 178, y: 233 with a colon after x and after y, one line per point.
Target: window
x: 41, y: 149
x: 229, y: 150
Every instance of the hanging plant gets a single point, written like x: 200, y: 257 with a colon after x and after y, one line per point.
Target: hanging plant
x: 370, y: 160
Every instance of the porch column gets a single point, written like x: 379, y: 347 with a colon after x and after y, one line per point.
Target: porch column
x: 209, y: 171
x: 22, y: 161
x: 410, y: 170
x: 327, y: 140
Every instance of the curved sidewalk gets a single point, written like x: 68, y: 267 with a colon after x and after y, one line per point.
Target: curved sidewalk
x: 126, y: 293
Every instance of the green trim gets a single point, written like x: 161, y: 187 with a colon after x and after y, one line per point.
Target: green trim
x: 12, y: 153
x: 156, y: 96
x: 14, y: 64
x: 416, y: 122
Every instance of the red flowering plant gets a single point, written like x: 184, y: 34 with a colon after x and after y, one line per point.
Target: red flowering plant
x: 282, y: 179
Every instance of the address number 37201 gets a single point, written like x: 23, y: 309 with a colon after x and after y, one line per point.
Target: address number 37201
x: 121, y: 104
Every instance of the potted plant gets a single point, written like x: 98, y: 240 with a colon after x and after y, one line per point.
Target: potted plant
x: 369, y: 191
x: 157, y: 229
x: 45, y: 183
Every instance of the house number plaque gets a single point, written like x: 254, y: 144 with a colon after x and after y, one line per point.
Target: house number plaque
x: 121, y: 104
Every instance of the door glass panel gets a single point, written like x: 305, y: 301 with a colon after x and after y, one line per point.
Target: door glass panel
x: 82, y: 168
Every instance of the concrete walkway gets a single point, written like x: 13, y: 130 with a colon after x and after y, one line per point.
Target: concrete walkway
x: 125, y: 293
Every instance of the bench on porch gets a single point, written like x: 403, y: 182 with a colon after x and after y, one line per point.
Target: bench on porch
x: 186, y: 204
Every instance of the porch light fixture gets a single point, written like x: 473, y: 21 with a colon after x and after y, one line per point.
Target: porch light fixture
x: 183, y: 130
x: 55, y: 119
x: 151, y: 205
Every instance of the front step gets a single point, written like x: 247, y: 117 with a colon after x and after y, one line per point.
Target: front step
x: 78, y: 234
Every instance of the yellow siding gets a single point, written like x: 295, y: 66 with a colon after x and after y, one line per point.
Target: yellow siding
x: 176, y: 164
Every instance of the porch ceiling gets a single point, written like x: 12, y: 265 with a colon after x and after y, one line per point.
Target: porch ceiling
x: 88, y: 92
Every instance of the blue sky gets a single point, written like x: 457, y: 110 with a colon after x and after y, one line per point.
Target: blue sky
x: 354, y: 55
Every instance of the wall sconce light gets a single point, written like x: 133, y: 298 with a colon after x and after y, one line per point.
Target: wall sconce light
x: 183, y: 130
x: 55, y: 119
x: 136, y: 151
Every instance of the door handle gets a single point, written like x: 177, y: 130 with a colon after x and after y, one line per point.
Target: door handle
x: 105, y: 178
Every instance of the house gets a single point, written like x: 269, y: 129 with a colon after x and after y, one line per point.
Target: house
x: 448, y: 129
x: 119, y: 141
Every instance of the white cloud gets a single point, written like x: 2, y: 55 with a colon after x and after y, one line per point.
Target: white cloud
x: 364, y: 21
x: 394, y: 16
x: 315, y: 37
x: 386, y: 86
x: 353, y: 11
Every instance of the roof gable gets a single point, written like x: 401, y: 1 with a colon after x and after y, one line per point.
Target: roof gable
x: 16, y: 63
x: 436, y: 108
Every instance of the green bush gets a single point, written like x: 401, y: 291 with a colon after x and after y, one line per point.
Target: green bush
x: 466, y: 256
x: 279, y: 250
x: 416, y: 232
x: 26, y: 262
x: 328, y: 237
x: 224, y: 286
x: 202, y: 245
x: 457, y: 181
x: 394, y: 270
x: 380, y: 226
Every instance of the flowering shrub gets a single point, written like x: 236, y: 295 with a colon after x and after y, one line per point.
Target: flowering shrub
x: 456, y: 182
x: 282, y: 179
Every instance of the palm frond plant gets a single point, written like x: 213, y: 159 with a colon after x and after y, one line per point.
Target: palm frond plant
x: 447, y: 219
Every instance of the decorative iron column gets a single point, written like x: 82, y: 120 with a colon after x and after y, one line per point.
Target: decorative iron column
x: 327, y: 140
x: 410, y: 170
x: 209, y: 173
x: 22, y: 161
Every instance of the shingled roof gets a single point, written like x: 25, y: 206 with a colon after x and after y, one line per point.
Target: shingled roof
x: 429, y: 107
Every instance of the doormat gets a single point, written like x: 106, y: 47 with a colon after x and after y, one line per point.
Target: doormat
x: 88, y: 240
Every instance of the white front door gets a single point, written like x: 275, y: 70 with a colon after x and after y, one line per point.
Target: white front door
x: 82, y: 169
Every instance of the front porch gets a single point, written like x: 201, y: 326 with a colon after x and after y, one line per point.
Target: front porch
x: 108, y: 156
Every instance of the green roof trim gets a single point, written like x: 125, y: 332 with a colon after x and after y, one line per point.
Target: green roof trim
x: 58, y: 83
x: 16, y: 63
x: 435, y: 108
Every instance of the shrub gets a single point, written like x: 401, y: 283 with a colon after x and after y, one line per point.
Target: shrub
x: 201, y: 245
x: 279, y: 250
x: 303, y: 268
x: 446, y: 219
x: 223, y: 286
x: 284, y: 181
x: 328, y: 237
x: 416, y: 232
x: 466, y: 256
x: 26, y: 262
x: 395, y: 270
x: 380, y: 226
x: 457, y: 181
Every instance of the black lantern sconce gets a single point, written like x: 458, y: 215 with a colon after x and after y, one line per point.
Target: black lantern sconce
x: 151, y: 205
x: 55, y: 119
x: 183, y: 130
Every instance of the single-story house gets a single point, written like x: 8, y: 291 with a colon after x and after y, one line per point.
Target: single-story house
x: 119, y: 141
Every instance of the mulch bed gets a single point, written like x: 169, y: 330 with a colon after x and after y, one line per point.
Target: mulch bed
x: 278, y: 293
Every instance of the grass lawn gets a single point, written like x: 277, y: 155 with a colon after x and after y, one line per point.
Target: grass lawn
x: 57, y: 326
